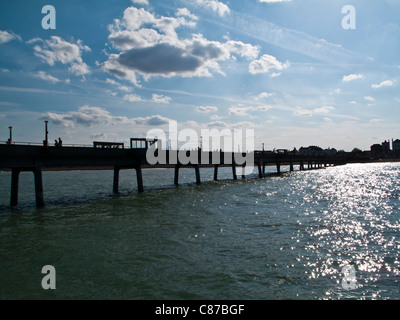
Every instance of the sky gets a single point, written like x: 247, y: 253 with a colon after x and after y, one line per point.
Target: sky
x: 297, y: 72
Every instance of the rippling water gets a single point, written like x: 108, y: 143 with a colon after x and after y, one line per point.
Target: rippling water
x: 286, y: 237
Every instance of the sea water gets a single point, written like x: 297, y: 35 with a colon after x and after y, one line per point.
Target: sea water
x: 332, y: 233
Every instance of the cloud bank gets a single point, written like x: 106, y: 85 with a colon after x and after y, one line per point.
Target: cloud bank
x: 149, y: 46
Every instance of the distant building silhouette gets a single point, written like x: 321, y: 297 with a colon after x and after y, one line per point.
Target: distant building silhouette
x: 311, y: 150
x: 396, y: 146
x: 386, y: 147
x: 383, y: 149
x: 330, y: 151
x: 376, y: 149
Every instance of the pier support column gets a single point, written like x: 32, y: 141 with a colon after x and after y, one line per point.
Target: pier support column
x: 116, y: 179
x: 260, y: 174
x: 197, y: 170
x: 278, y: 167
x: 234, y: 171
x: 176, y: 175
x: 301, y: 166
x: 243, y: 171
x: 291, y: 167
x: 14, y: 186
x: 215, y: 172
x: 38, y: 187
x: 139, y: 178
x: 263, y: 165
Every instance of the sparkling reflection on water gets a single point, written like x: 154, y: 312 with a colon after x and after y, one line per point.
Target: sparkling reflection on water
x: 351, y: 218
x: 286, y: 237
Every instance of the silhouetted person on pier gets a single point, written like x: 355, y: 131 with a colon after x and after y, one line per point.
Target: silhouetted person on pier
x: 59, y: 142
x: 56, y: 143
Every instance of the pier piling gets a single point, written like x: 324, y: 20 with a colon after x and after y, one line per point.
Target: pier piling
x: 38, y: 187
x: 234, y: 171
x: 197, y: 170
x: 260, y: 174
x: 116, y: 179
x: 215, y: 172
x: 14, y: 186
x: 278, y: 168
x: 176, y: 175
x: 139, y: 178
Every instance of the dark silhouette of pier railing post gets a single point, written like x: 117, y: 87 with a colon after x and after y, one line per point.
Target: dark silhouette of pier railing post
x: 46, y: 134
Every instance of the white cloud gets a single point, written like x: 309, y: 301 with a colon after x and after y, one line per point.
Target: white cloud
x: 155, y: 120
x: 241, y: 110
x: 386, y: 83
x: 125, y: 88
x: 7, y: 37
x: 142, y: 2
x: 369, y: 98
x: 113, y: 93
x: 206, y: 109
x: 352, y: 77
x: 112, y: 81
x: 300, y: 112
x: 132, y: 97
x: 95, y: 116
x: 264, y: 95
x: 184, y: 12
x: 79, y: 69
x: 57, y: 49
x: 323, y: 110
x: 159, y: 98
x: 265, y: 64
x: 44, y: 76
x: 216, y: 6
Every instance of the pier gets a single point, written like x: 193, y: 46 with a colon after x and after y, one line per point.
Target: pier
x: 113, y: 156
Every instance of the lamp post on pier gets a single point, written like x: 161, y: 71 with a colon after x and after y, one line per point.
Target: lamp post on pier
x: 46, y: 139
x: 10, y: 140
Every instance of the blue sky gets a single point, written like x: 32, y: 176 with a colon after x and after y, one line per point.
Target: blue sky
x: 112, y: 70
